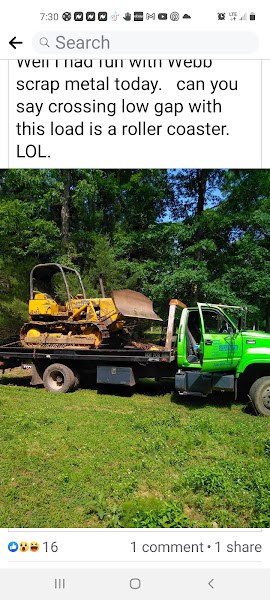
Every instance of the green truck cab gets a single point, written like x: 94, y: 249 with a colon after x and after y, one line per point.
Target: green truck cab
x: 216, y: 354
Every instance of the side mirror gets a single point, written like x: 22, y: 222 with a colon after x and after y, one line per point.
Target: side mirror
x: 240, y: 323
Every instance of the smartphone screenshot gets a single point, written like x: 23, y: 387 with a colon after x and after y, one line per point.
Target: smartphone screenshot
x: 134, y: 300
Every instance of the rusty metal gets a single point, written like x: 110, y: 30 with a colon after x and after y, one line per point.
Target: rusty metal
x: 134, y: 305
x: 61, y: 341
x: 65, y: 335
x: 173, y: 304
x: 177, y: 303
x: 147, y: 346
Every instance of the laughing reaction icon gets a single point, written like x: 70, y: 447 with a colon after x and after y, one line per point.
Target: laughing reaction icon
x: 34, y: 546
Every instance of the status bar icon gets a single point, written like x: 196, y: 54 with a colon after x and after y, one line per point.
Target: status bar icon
x: 102, y: 16
x: 78, y: 16
x: 138, y: 16
x: 66, y: 16
x: 90, y: 16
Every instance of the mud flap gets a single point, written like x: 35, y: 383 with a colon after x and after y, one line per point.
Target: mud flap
x: 37, y: 374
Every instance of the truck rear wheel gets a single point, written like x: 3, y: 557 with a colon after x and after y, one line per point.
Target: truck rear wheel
x: 59, y: 378
x: 259, y: 394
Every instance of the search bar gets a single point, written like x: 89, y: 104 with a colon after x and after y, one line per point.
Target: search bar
x: 145, y: 42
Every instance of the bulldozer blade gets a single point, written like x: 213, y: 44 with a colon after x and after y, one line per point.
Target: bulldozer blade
x: 134, y: 305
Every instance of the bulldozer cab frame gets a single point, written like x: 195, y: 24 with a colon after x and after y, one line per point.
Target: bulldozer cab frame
x: 41, y: 280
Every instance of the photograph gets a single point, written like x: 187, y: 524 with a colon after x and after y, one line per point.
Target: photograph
x: 135, y: 348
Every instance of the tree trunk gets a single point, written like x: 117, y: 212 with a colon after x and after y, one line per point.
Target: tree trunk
x: 201, y: 179
x: 267, y: 318
x: 65, y: 210
x: 194, y: 292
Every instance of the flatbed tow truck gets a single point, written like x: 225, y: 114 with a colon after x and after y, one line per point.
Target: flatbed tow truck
x: 209, y: 353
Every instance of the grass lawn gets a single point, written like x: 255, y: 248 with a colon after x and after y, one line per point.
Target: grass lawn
x: 149, y: 459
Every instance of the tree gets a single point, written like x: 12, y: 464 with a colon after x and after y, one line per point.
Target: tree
x: 248, y: 208
x: 195, y: 190
x: 199, y: 235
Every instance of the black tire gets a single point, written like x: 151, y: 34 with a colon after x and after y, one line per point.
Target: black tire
x: 58, y: 378
x: 259, y: 394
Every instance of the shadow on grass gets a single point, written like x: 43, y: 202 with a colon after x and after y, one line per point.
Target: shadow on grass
x: 23, y: 381
x: 249, y: 409
x: 221, y: 400
x: 197, y: 402
x: 144, y: 386
x: 157, y: 389
x: 113, y: 390
x: 148, y: 387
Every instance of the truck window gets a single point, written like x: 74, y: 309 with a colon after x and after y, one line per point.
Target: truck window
x: 194, y: 326
x: 193, y: 332
x: 215, y: 322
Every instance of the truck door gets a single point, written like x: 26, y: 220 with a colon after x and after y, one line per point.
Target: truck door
x: 221, y: 342
x: 181, y: 339
x: 189, y: 337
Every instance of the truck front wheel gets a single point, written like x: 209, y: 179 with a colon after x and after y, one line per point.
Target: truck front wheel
x: 59, y: 378
x: 259, y: 394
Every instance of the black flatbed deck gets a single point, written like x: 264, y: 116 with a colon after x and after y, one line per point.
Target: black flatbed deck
x: 10, y: 353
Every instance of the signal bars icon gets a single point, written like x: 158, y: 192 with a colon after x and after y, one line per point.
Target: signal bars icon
x: 252, y: 17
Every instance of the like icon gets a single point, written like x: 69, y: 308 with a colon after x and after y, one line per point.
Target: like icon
x: 13, y: 546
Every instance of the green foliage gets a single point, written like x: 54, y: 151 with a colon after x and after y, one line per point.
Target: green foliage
x: 154, y: 513
x: 102, y: 262
x: 198, y: 234
x: 12, y: 316
x: 142, y: 461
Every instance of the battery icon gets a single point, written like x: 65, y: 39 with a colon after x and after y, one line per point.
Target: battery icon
x: 252, y: 17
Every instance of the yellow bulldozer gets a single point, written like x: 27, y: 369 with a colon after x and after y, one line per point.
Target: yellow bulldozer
x: 61, y: 316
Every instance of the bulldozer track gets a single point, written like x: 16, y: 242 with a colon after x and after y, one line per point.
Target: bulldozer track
x: 59, y: 346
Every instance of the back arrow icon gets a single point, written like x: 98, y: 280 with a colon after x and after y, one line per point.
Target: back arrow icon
x: 210, y: 583
x: 13, y: 42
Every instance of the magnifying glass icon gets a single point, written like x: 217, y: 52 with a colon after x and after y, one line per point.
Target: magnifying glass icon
x: 44, y: 41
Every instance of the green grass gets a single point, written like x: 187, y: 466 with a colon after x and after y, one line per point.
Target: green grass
x: 151, y: 459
